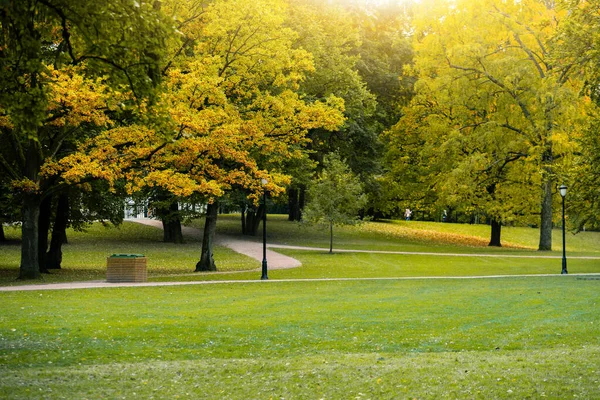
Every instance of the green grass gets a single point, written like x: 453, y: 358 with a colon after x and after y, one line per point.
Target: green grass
x: 84, y: 258
x: 380, y: 339
x: 414, y: 236
x: 379, y: 336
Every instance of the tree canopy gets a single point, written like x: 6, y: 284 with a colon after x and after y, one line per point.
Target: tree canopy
x: 495, y: 115
x: 65, y: 67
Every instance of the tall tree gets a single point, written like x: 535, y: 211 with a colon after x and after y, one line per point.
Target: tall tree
x: 332, y: 34
x: 237, y: 102
x: 229, y: 112
x: 497, y: 104
x: 58, y: 59
x: 385, y: 52
x: 578, y: 46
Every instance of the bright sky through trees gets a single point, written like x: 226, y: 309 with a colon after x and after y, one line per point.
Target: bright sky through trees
x: 373, y: 3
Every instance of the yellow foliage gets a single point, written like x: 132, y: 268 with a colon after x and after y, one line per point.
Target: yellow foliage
x: 74, y: 99
x: 228, y: 99
x: 25, y: 185
x: 5, y: 121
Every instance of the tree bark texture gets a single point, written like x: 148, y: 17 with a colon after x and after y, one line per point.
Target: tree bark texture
x: 296, y: 200
x: 293, y: 206
x: 546, y: 217
x: 171, y: 224
x: 59, y: 233
x: 30, y: 268
x: 547, y: 181
x: 301, y: 201
x: 243, y: 219
x: 495, y: 234
x: 43, y: 230
x: 207, y: 261
x: 253, y: 219
x: 330, y: 237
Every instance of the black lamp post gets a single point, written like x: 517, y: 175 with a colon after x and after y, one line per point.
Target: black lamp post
x: 264, y: 275
x: 563, y: 193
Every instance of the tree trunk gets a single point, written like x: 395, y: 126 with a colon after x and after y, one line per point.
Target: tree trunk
x: 2, y: 235
x: 293, y: 205
x: 172, y: 231
x: 496, y: 230
x: 243, y: 208
x: 301, y: 201
x: 171, y: 224
x: 207, y: 261
x: 546, y: 217
x: 547, y: 181
x: 59, y: 233
x: 43, y: 230
x: 330, y: 237
x: 253, y: 219
x: 30, y: 268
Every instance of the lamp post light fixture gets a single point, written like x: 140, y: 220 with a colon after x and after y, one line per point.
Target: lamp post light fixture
x: 264, y: 275
x: 563, y: 193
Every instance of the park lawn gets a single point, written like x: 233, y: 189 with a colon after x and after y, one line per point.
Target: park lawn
x: 322, y: 265
x: 84, y: 258
x: 417, y: 236
x: 533, y: 337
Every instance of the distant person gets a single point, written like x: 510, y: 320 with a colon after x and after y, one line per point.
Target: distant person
x: 407, y: 214
x: 444, y: 216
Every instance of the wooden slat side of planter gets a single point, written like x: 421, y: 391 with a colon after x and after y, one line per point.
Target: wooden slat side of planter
x: 126, y: 269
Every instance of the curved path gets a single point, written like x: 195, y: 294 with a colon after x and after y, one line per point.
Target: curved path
x: 279, y: 261
x: 246, y: 247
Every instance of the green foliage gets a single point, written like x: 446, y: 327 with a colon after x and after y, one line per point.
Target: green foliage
x: 583, y: 195
x: 578, y: 46
x: 337, y: 196
x: 494, y: 116
x: 67, y: 68
x: 333, y: 36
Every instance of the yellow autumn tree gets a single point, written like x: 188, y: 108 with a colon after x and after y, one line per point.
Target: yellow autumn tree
x: 59, y: 60
x: 229, y: 112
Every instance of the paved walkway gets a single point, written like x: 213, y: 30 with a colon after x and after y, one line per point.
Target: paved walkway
x: 104, y: 284
x: 423, y: 253
x: 246, y: 247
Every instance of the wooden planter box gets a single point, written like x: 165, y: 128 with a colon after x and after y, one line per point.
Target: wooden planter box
x: 126, y: 268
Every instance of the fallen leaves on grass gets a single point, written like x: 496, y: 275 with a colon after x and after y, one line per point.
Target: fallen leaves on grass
x: 427, y: 235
